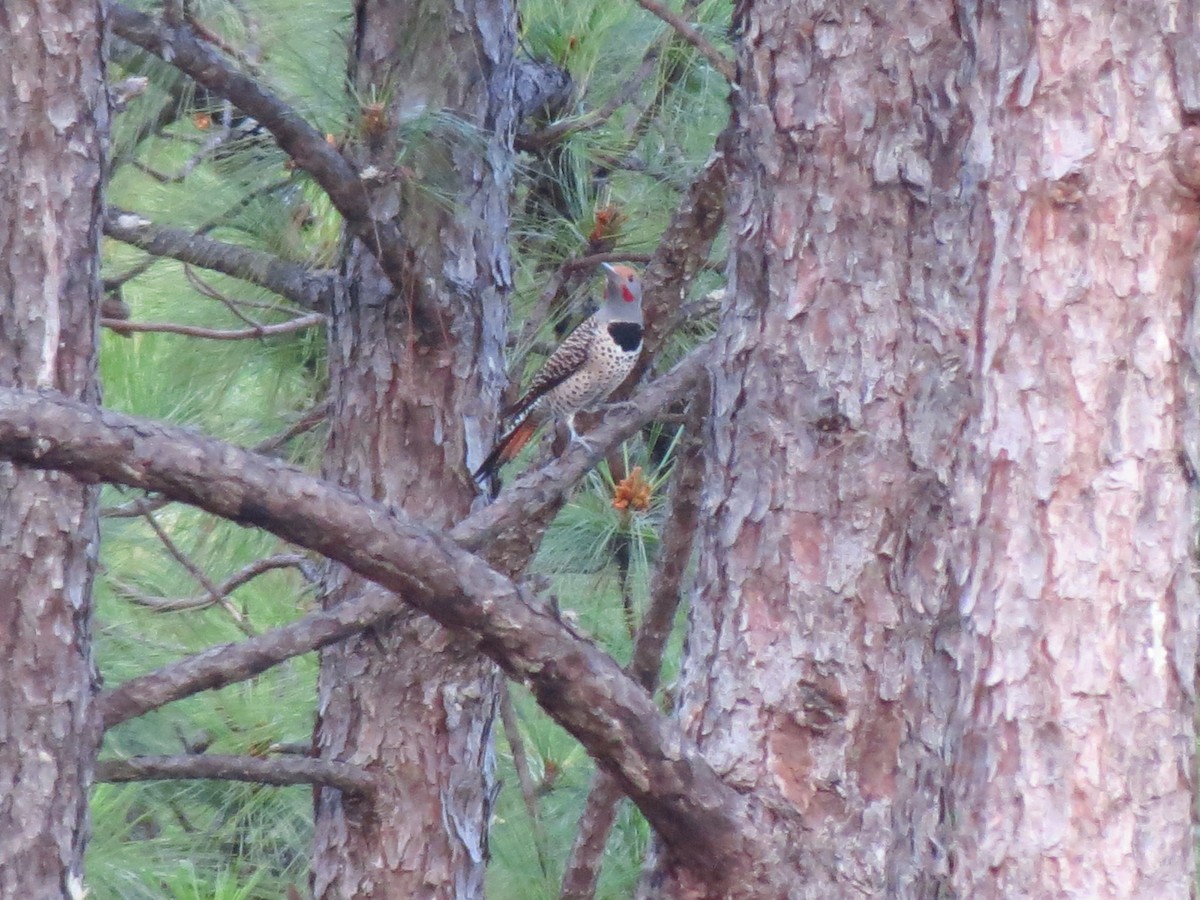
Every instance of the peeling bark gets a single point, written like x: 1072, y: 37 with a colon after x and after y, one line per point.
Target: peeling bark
x: 944, y: 627
x: 1073, y: 737
x: 411, y: 399
x: 53, y: 125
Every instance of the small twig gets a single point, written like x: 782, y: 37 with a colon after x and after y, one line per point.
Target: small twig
x: 673, y: 72
x: 207, y: 290
x: 595, y: 259
x: 227, y: 587
x: 312, y: 320
x: 196, y: 572
x: 512, y: 733
x: 310, y: 419
x: 688, y: 32
x: 277, y: 771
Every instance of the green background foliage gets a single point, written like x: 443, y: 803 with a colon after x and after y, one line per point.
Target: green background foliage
x: 205, y: 839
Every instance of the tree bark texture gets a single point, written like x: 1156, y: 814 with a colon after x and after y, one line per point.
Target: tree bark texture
x: 412, y: 398
x: 53, y: 126
x: 943, y: 627
x: 1073, y: 737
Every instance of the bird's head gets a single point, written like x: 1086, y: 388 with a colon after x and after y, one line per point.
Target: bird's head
x: 624, y: 284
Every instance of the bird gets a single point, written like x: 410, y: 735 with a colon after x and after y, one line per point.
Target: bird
x: 588, y: 366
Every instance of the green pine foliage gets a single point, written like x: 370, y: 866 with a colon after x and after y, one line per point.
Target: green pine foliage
x: 229, y: 840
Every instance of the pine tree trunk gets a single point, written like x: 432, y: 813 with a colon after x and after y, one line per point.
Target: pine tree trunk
x: 53, y: 122
x: 944, y: 621
x: 1073, y: 737
x: 412, y: 702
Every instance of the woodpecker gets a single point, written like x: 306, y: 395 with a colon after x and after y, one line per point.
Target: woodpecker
x: 588, y: 366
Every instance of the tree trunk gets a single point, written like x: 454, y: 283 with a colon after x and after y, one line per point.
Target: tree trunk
x: 53, y: 123
x: 1072, y: 739
x: 410, y: 396
x: 942, y: 626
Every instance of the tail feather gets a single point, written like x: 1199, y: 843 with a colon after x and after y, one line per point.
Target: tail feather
x: 507, y: 448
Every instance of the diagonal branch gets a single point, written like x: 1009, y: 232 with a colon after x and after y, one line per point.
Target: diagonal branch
x: 230, y: 663
x: 227, y: 664
x: 503, y: 527
x: 688, y: 32
x: 181, y: 47
x: 297, y: 283
x: 698, y: 816
x: 277, y: 771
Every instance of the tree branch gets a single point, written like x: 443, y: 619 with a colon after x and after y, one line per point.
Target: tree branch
x: 227, y: 664
x: 231, y: 584
x: 180, y: 46
x: 295, y: 282
x: 698, y: 816
x: 504, y: 526
x: 683, y: 250
x: 688, y: 32
x: 278, y: 771
x: 312, y: 320
x: 230, y: 663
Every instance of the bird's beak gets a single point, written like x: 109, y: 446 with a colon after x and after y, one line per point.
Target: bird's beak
x: 610, y: 268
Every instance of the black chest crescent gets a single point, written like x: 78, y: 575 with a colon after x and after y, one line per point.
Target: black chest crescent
x: 627, y: 335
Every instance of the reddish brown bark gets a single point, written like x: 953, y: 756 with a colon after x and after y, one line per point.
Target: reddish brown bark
x: 53, y: 119
x: 944, y: 624
x: 409, y: 700
x: 1073, y: 735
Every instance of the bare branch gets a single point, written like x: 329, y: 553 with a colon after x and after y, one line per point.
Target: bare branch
x: 180, y: 46
x: 227, y: 664
x: 698, y: 816
x: 196, y: 572
x: 552, y: 134
x: 231, y: 584
x: 688, y: 32
x: 512, y: 733
x: 299, y: 284
x: 683, y: 249
x: 312, y: 320
x: 278, y: 771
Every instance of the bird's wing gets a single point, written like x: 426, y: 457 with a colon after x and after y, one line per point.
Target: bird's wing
x: 571, y: 354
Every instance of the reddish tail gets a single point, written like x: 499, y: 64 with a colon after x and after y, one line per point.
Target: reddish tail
x: 507, y: 448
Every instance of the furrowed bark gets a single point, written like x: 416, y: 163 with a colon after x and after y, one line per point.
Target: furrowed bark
x: 53, y: 129
x: 1073, y: 738
x: 409, y: 396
